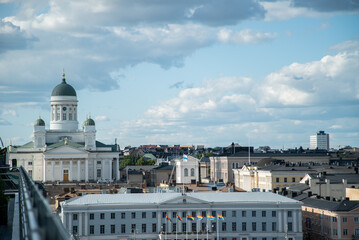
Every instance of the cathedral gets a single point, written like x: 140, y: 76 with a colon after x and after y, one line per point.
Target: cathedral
x: 64, y: 152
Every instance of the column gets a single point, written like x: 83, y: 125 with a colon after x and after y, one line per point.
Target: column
x: 300, y: 228
x: 61, y: 172
x: 53, y: 170
x: 64, y: 219
x: 70, y: 222
x: 79, y: 170
x: 285, y: 220
x: 295, y: 221
x: 70, y: 172
x: 102, y: 169
x: 44, y: 176
x: 86, y: 224
x: 117, y: 169
x: 339, y: 228
x: 86, y: 170
x: 94, y: 170
x: 110, y: 169
x: 280, y: 221
x: 80, y: 223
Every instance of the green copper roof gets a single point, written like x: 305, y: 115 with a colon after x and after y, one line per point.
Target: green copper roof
x: 89, y: 122
x: 39, y: 122
x: 63, y: 89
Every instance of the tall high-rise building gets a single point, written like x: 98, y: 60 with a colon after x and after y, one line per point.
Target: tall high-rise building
x: 320, y: 140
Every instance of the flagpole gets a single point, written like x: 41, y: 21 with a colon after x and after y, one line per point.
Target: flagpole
x: 217, y: 228
x: 186, y: 227
x: 197, y: 228
x: 176, y: 225
x: 207, y: 226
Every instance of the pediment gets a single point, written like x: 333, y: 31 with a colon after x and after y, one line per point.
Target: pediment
x: 66, y: 149
x: 184, y: 199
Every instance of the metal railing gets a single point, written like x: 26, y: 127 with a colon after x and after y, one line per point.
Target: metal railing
x: 37, y: 220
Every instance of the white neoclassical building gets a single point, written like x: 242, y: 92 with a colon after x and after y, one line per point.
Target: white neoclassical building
x: 187, y: 170
x: 64, y: 152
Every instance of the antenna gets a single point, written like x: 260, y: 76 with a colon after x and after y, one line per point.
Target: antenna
x: 249, y: 150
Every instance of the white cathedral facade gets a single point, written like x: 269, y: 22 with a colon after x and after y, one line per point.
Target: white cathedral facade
x: 64, y: 152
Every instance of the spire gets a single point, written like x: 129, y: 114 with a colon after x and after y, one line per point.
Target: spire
x: 63, y: 75
x: 39, y: 116
x: 89, y: 114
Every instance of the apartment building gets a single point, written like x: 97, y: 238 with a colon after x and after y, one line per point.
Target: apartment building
x: 231, y: 215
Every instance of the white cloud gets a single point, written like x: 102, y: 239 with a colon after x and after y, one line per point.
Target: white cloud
x: 101, y: 118
x: 336, y: 127
x: 10, y: 112
x: 244, y: 36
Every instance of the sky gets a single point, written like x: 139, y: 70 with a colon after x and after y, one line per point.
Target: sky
x: 264, y: 73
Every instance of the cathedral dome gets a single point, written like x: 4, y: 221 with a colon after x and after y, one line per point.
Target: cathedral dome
x: 89, y: 122
x: 39, y: 122
x: 63, y: 89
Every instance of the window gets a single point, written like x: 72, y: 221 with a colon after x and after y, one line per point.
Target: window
x: 345, y: 231
x: 214, y: 227
x: 113, y: 216
x: 92, y: 216
x: 254, y: 226
x: 123, y: 215
x: 92, y: 229
x: 99, y: 162
x: 214, y: 213
x: 70, y: 116
x: 64, y: 116
x: 186, y: 172
x: 274, y: 226
x: 102, y: 229
x: 356, y: 219
x: 133, y: 215
x: 113, y: 228
x: 356, y: 232
x: 204, y: 213
x: 224, y: 213
x: 203, y: 227
x: 154, y: 215
x: 174, y: 227
x: 154, y: 227
x: 345, y: 219
x: 253, y: 213
x: 335, y: 232
x: 193, y: 214
x: 102, y: 216
x: 194, y: 227
x: 234, y: 214
x: 224, y: 226
x: 29, y: 163
x: 123, y: 228
x: 98, y: 173
x: 293, y: 179
x: 290, y: 227
x: 334, y: 219
x: 264, y: 213
x: 57, y: 116
x: 244, y: 213
x: 184, y: 227
x: 30, y: 173
x: 264, y: 226
x: 183, y: 214
x: 192, y: 172
x: 234, y: 226
x: 164, y: 214
x: 285, y: 179
x: 144, y: 228
x: 244, y: 226
x: 74, y: 229
x: 74, y: 216
x: 143, y: 214
x: 289, y: 213
x: 277, y: 179
x: 133, y: 228
x: 274, y: 213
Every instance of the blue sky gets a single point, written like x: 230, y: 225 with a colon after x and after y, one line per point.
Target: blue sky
x: 185, y: 72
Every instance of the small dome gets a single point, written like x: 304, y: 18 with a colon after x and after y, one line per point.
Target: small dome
x: 63, y: 89
x: 39, y: 122
x: 89, y: 122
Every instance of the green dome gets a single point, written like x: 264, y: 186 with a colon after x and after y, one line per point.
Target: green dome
x: 89, y: 122
x: 63, y: 89
x: 39, y: 122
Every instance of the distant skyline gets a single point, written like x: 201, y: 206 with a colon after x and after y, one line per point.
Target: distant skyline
x: 200, y: 72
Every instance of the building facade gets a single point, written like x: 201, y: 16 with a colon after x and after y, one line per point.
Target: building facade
x: 236, y: 216
x: 320, y: 141
x: 187, y: 169
x: 64, y: 152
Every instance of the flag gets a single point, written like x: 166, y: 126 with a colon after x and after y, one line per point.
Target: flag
x: 210, y: 217
x: 199, y: 217
x: 190, y: 218
x: 185, y: 158
x: 220, y: 216
x: 179, y: 218
x: 168, y: 219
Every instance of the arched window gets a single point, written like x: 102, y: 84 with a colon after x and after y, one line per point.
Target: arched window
x: 186, y: 172
x: 192, y: 172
